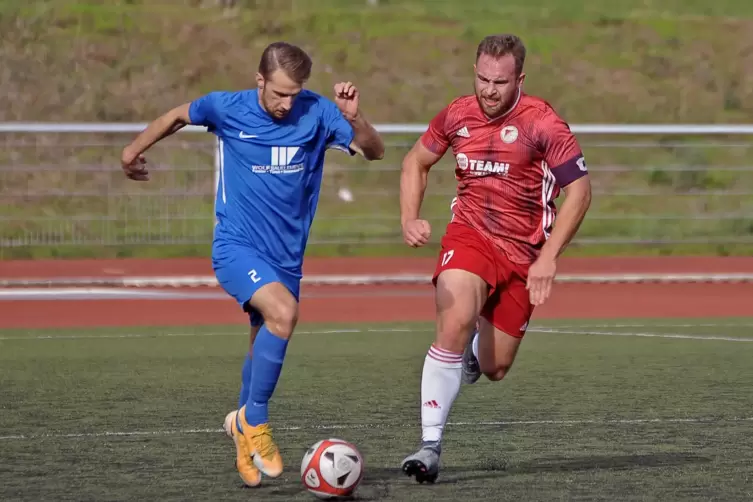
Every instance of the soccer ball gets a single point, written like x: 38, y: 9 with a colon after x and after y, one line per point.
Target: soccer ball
x: 332, y: 468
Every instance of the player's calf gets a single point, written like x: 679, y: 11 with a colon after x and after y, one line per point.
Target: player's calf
x: 496, y: 350
x: 496, y: 374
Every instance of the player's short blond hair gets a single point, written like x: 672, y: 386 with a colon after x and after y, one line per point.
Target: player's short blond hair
x: 501, y: 45
x: 286, y: 57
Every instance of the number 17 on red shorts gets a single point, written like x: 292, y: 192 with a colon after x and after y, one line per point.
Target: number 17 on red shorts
x: 508, y: 307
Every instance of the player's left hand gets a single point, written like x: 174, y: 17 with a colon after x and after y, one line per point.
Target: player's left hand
x: 134, y: 165
x: 346, y: 99
x: 540, y: 279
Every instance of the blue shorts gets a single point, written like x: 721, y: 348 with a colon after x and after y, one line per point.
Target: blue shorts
x: 242, y: 272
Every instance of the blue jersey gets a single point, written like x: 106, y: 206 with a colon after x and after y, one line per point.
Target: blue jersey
x: 270, y: 170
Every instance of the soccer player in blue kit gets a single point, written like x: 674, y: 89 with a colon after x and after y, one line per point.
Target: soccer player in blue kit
x: 272, y: 142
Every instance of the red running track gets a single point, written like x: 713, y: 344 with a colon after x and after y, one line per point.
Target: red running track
x: 388, y: 303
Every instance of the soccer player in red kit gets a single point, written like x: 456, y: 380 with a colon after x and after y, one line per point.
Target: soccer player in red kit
x: 498, y: 256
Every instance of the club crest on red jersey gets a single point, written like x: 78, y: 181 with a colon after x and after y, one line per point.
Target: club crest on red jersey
x: 509, y: 134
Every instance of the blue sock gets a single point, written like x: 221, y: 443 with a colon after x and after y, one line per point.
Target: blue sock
x: 245, y: 380
x: 269, y: 352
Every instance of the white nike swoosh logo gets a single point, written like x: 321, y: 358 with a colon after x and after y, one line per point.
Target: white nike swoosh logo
x: 243, y: 135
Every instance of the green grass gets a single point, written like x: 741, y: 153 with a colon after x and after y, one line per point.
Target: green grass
x: 628, y: 61
x: 626, y: 417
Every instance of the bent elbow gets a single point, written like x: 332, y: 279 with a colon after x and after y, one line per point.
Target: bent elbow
x: 377, y: 154
x: 180, y: 115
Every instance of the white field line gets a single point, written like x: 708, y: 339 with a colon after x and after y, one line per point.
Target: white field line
x: 681, y: 336
x: 240, y: 332
x: 367, y: 279
x: 343, y: 427
x: 570, y: 330
x: 657, y: 324
x: 95, y: 293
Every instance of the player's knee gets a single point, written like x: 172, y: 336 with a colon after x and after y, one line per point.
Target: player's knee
x: 495, y: 371
x: 497, y: 374
x: 459, y: 298
x: 282, y: 317
x: 453, y: 332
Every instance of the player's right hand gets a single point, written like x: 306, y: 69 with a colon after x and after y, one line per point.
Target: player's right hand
x: 416, y: 233
x: 134, y: 165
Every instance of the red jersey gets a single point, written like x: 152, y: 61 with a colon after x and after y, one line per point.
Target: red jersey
x: 509, y: 169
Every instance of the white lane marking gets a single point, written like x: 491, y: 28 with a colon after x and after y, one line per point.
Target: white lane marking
x: 337, y: 427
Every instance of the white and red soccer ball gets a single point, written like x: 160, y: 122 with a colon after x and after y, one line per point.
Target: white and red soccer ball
x: 332, y: 468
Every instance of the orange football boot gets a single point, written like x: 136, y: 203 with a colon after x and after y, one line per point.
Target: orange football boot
x: 246, y: 468
x: 263, y: 450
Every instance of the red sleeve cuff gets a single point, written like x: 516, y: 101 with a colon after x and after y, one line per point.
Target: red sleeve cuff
x: 432, y: 143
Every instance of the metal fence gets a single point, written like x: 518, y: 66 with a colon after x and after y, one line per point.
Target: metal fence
x: 61, y: 185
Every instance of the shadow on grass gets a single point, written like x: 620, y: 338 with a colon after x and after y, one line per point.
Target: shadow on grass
x: 379, y: 483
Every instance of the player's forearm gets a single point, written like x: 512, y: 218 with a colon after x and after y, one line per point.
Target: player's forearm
x: 367, y: 138
x: 568, y: 221
x: 413, y: 180
x: 167, y: 124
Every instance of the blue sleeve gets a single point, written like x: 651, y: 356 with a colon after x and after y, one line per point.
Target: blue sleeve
x: 339, y: 131
x: 209, y: 110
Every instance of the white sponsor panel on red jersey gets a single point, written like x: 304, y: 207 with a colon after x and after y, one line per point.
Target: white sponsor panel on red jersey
x: 479, y: 167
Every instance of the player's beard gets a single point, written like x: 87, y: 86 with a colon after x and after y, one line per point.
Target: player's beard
x: 499, y: 106
x: 276, y: 113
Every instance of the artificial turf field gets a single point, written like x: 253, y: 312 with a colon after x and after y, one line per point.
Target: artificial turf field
x: 624, y: 410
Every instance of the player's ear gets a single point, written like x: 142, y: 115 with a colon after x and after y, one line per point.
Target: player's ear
x: 260, y: 80
x: 521, y: 79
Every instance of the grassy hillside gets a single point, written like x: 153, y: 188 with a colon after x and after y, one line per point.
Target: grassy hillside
x: 625, y: 61
x: 617, y: 61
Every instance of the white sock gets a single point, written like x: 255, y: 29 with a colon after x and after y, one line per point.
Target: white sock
x: 474, y: 345
x: 440, y: 384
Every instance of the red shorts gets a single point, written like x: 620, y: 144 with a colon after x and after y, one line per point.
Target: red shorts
x: 507, y: 307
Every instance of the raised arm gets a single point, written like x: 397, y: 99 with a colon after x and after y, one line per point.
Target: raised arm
x: 366, y: 140
x: 132, y: 159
